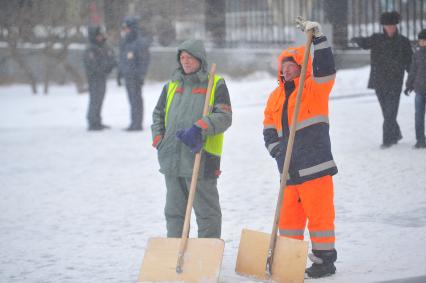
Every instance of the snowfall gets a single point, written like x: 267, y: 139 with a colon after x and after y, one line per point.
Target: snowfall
x: 78, y: 206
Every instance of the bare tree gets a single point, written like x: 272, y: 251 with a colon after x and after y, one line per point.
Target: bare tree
x: 16, y: 20
x: 61, y: 27
x: 48, y: 26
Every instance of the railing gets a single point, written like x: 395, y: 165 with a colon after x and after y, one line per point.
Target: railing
x: 266, y: 23
x: 363, y: 16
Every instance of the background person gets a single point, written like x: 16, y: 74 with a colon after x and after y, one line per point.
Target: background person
x: 98, y: 62
x: 133, y: 67
x: 390, y: 56
x: 417, y: 81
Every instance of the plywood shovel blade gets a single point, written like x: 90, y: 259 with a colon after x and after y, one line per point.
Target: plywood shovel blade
x: 289, y: 257
x: 201, y: 263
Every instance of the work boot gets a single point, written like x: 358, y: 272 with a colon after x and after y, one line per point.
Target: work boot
x: 420, y: 144
x: 323, y: 263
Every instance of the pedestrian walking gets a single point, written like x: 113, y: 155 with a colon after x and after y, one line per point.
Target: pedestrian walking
x: 390, y: 56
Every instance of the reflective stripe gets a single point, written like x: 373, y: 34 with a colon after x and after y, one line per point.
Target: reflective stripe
x: 317, y: 168
x: 322, y: 246
x: 214, y: 143
x: 272, y: 146
x: 291, y: 233
x: 312, y: 121
x: 321, y: 234
x: 321, y: 45
x: 170, y: 94
x: 325, y: 78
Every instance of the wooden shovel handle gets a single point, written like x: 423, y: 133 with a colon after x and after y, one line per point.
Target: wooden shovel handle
x: 193, y: 187
x: 284, y: 176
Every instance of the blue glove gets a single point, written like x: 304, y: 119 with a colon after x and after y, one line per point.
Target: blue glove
x: 192, y: 138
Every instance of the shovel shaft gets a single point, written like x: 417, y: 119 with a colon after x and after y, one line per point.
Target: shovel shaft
x: 284, y: 176
x: 193, y: 187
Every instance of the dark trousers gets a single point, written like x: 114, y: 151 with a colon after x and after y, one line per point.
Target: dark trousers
x: 134, y: 93
x: 420, y: 102
x: 389, y: 103
x: 97, y: 88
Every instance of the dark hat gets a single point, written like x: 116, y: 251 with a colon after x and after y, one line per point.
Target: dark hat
x: 93, y: 32
x: 422, y: 34
x: 288, y: 59
x: 130, y: 22
x: 390, y: 18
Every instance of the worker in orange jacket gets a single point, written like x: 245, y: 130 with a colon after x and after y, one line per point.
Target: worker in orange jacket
x: 309, y: 191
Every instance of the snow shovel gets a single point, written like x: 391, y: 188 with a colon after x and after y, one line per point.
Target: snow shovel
x: 183, y: 259
x: 269, y: 257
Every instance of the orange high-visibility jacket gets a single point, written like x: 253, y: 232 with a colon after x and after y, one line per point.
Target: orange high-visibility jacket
x: 311, y: 156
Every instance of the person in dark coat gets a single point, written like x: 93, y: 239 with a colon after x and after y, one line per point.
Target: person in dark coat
x: 390, y: 57
x: 98, y: 62
x: 133, y: 66
x: 417, y: 81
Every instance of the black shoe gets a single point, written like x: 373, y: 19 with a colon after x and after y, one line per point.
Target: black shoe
x: 98, y: 128
x: 320, y: 270
x: 134, y: 129
x: 420, y: 144
x: 386, y: 145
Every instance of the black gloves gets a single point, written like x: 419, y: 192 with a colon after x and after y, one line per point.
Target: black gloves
x: 278, y: 154
x: 407, y: 91
x: 119, y: 79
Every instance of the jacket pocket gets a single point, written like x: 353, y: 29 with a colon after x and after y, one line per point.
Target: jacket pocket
x: 211, y: 165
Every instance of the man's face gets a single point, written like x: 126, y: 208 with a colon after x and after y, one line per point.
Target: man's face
x: 290, y: 70
x: 100, y: 37
x: 422, y: 42
x: 390, y: 30
x: 189, y: 63
x: 124, y: 31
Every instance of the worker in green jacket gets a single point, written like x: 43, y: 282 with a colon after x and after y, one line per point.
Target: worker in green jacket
x: 179, y: 131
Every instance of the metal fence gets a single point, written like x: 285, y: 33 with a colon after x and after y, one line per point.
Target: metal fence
x: 270, y: 23
x: 363, y: 16
x: 266, y: 23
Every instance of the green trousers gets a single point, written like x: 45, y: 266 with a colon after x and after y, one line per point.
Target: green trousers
x: 206, y: 206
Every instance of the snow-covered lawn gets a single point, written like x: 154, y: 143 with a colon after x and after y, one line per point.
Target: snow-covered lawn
x: 79, y: 207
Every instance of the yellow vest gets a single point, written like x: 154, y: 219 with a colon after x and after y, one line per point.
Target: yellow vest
x: 214, y: 143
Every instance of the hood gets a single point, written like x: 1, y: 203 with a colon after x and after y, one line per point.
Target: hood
x: 196, y: 48
x: 297, y: 54
x: 133, y: 24
x: 92, y: 32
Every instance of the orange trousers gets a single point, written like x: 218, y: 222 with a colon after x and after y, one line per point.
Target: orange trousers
x: 311, y: 201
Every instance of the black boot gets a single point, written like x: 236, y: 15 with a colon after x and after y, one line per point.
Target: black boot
x: 323, y: 263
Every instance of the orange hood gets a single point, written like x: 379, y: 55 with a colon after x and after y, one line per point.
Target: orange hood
x: 297, y: 54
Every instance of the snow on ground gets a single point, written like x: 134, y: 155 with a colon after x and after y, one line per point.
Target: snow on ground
x: 79, y: 207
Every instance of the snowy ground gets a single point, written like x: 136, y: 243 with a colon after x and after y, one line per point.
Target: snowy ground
x: 80, y: 207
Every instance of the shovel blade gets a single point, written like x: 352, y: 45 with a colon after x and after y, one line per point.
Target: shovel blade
x: 289, y: 263
x: 201, y: 263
